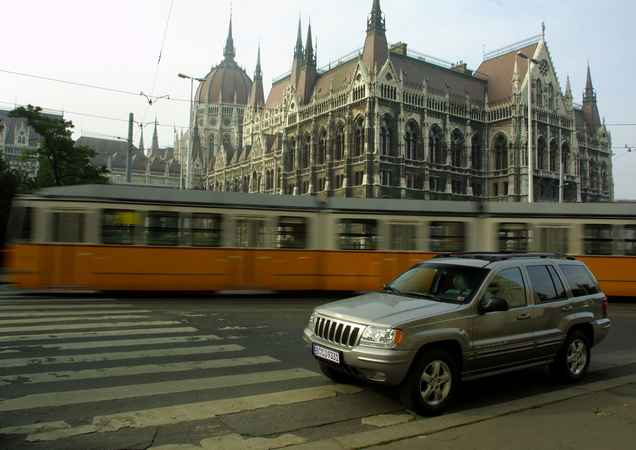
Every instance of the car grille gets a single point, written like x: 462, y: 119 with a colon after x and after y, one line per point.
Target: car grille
x: 340, y: 333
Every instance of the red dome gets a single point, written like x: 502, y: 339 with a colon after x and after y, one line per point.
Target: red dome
x: 225, y: 82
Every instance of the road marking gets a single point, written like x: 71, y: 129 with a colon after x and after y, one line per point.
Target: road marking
x: 150, y: 389
x: 96, y: 334
x: 116, y: 356
x: 68, y: 319
x: 73, y: 375
x: 124, y: 342
x: 79, y: 326
x: 75, y: 313
x: 179, y: 413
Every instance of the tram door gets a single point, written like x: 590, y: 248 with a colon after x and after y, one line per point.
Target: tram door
x: 248, y: 269
x: 66, y: 234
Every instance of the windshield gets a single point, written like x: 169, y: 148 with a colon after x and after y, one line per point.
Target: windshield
x: 438, y: 281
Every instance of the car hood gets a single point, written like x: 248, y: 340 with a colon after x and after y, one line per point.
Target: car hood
x: 384, y: 309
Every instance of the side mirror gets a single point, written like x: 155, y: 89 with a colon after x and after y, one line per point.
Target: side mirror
x: 493, y: 304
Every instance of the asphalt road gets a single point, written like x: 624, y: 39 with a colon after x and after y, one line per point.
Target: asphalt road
x: 82, y: 371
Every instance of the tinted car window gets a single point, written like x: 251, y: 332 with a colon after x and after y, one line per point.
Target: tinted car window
x: 579, y: 280
x: 545, y: 283
x: 509, y: 285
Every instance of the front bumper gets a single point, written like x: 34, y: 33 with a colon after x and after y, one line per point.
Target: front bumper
x: 373, y: 364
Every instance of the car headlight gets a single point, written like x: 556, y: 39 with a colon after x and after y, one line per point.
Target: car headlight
x: 380, y: 337
x: 312, y: 322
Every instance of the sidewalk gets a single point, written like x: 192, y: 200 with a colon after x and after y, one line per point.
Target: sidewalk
x: 593, y: 416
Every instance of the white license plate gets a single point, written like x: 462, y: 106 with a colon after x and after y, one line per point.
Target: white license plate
x: 325, y: 353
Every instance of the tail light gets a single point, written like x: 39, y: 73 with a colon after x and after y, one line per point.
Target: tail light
x: 605, y: 307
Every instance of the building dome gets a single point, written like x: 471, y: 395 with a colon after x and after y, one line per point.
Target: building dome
x: 227, y: 82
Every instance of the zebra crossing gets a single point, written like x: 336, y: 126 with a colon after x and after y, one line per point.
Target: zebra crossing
x: 82, y: 366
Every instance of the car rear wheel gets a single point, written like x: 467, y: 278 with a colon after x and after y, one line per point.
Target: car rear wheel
x: 431, y: 383
x: 573, y: 358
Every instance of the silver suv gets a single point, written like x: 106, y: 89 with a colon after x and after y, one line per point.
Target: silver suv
x: 463, y: 315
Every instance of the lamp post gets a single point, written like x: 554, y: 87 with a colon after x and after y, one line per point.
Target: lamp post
x: 188, y: 174
x: 530, y: 155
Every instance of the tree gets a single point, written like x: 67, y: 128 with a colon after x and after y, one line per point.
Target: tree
x: 61, y: 163
x: 10, y: 183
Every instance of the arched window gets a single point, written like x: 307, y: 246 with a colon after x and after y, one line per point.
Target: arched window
x: 592, y: 175
x: 385, y: 138
x: 291, y: 160
x: 358, y: 138
x: 566, y: 158
x: 269, y: 180
x: 211, y: 146
x: 457, y: 148
x: 554, y: 157
x: 305, y: 155
x: 603, y: 176
x: 340, y: 140
x: 501, y: 152
x: 410, y: 141
x: 551, y: 96
x: 226, y: 141
x: 539, y: 94
x: 476, y: 151
x: 435, y: 146
x: 541, y: 153
x: 322, y: 148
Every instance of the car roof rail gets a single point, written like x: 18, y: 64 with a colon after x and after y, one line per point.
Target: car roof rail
x: 503, y: 255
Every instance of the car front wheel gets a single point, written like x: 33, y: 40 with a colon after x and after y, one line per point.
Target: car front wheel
x: 573, y: 358
x: 431, y: 383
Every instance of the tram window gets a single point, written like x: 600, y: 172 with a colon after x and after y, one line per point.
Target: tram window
x: 597, y: 239
x: 627, y: 240
x: 250, y: 233
x: 19, y: 228
x: 579, y: 280
x: 67, y: 227
x: 513, y: 237
x: 403, y: 236
x: 291, y: 232
x: 205, y: 230
x: 554, y: 240
x: 546, y: 284
x: 448, y: 236
x: 358, y: 234
x: 162, y: 228
x: 118, y: 227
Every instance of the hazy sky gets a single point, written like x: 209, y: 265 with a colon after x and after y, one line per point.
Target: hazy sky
x: 92, y: 59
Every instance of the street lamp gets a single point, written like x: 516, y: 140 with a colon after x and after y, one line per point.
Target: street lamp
x: 530, y: 155
x: 188, y: 179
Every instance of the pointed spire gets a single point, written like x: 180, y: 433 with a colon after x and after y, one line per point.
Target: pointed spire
x: 376, y: 48
x: 258, y: 73
x: 589, y: 96
x: 141, y: 139
x: 229, y: 52
x: 298, y: 51
x: 154, y: 151
x: 257, y: 95
x: 376, y: 21
x: 309, y: 49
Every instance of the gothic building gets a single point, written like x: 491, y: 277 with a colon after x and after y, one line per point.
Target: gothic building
x: 389, y: 122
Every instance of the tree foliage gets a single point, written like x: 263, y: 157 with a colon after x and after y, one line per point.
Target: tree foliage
x: 10, y: 183
x: 61, y: 163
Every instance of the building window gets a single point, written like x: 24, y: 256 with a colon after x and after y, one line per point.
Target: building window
x: 305, y: 155
x: 553, y: 156
x: 358, y: 178
x: 358, y: 147
x: 501, y: 152
x: 435, y: 146
x: 386, y: 139
x: 338, y: 182
x: 385, y: 178
x: 322, y: 148
x: 541, y: 153
x: 410, y: 141
x: 457, y: 149
x: 476, y: 151
x: 340, y: 140
x: 291, y: 160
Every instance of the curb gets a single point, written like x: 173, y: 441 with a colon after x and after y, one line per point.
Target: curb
x: 444, y: 422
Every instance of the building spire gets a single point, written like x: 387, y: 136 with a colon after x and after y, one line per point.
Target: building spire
x: 376, y: 48
x: 589, y: 96
x: 229, y: 52
x: 154, y: 151
x: 310, y: 58
x: 376, y: 22
x: 298, y: 50
x: 257, y: 95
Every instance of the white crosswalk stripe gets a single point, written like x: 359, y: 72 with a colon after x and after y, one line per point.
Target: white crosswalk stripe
x: 116, y: 353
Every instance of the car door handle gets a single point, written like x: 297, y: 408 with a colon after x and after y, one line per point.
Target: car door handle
x: 567, y: 308
x: 524, y: 316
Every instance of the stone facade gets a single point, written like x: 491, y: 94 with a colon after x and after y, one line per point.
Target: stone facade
x: 392, y: 123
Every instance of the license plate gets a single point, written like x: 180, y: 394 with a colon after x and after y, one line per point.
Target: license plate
x: 325, y: 353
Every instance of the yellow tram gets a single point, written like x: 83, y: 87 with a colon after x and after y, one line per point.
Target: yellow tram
x: 122, y: 237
